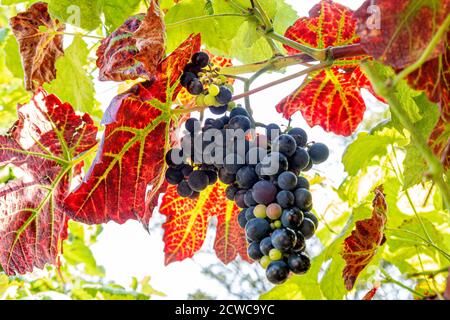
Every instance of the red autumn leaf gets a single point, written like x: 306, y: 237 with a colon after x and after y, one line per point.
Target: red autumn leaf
x: 332, y: 97
x: 361, y: 246
x: 130, y: 159
x: 405, y: 28
x: 439, y: 141
x: 230, y: 237
x: 369, y: 295
x: 433, y: 77
x: 188, y: 220
x: 135, y: 49
x: 41, y: 43
x: 42, y: 144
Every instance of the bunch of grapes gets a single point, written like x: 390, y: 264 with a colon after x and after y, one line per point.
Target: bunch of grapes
x: 203, y: 80
x: 262, y: 173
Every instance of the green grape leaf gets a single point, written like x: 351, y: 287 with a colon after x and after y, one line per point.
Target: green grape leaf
x: 367, y: 146
x: 73, y: 83
x: 414, y: 164
x: 88, y: 14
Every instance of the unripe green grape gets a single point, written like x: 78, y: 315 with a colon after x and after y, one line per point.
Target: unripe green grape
x: 210, y: 100
x: 277, y: 224
x: 260, y: 211
x: 265, y: 261
x: 275, y: 254
x: 222, y: 79
x: 213, y: 90
x: 200, y: 100
x: 274, y: 211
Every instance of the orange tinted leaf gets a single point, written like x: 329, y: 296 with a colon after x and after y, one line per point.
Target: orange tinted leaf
x: 361, y: 246
x: 433, y: 77
x: 42, y: 143
x: 131, y: 157
x: 38, y: 49
x: 187, y: 221
x: 332, y: 97
x: 369, y: 295
x: 135, y: 49
x: 230, y: 237
x: 406, y: 28
x: 439, y: 141
x: 150, y: 39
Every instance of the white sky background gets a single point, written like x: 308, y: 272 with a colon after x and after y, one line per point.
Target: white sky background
x: 128, y: 250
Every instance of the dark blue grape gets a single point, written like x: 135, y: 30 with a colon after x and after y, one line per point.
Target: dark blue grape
x: 218, y: 110
x: 303, y: 199
x: 257, y: 229
x: 233, y: 162
x: 248, y: 199
x: 266, y: 245
x: 312, y: 217
x: 195, y: 87
x: 264, y: 192
x: 212, y: 176
x: 249, y: 215
x: 291, y: 218
x: 174, y: 176
x: 283, y: 239
x: 307, y: 228
x: 226, y: 177
x: 273, y: 164
x: 200, y: 59
x: 300, y: 243
x: 299, y: 263
x: 239, y: 112
x: 192, y: 125
x: 300, y: 136
x: 186, y: 170
x: 287, y: 181
x: 239, y: 199
x: 192, y: 68
x: 318, y: 153
x: 198, y: 180
x: 240, y: 122
x: 302, y: 182
x: 254, y: 252
x: 272, y: 131
x: 242, y: 221
x: 186, y: 78
x: 277, y: 272
x: 230, y: 192
x: 285, y: 199
x: 184, y: 190
x: 224, y: 96
x: 284, y: 144
x: 299, y: 160
x: 246, y: 177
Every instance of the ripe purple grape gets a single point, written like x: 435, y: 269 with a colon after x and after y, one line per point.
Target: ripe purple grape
x: 277, y: 272
x: 257, y: 229
x: 264, y: 192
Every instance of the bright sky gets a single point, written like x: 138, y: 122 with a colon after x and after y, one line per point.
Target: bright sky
x: 128, y: 250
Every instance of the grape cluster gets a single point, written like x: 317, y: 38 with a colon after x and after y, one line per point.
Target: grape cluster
x: 203, y: 80
x: 262, y: 172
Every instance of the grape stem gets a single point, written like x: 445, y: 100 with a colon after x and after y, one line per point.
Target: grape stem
x: 280, y: 62
x: 388, y: 278
x: 430, y: 273
x: 282, y: 80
